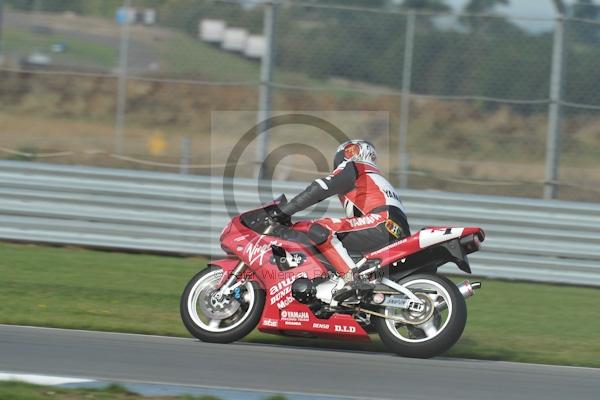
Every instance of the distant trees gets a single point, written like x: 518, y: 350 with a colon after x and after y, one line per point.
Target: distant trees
x: 585, y: 32
x: 482, y: 6
x: 585, y: 9
x: 426, y: 5
x: 485, y: 26
x: 106, y: 7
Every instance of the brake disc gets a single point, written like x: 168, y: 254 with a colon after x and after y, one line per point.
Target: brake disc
x: 215, y: 308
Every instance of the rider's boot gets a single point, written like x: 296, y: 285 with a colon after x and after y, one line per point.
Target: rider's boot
x: 350, y: 285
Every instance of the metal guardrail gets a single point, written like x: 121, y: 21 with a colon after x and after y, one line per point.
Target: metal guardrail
x: 527, y: 239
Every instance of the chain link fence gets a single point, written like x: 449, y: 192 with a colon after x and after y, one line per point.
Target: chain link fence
x: 472, y: 99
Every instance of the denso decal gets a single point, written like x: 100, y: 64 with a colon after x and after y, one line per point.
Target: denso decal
x: 428, y: 237
x: 257, y: 250
x: 317, y: 325
x: 294, y: 315
x: 366, y: 220
x: 270, y: 322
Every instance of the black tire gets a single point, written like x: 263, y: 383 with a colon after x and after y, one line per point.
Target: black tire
x: 237, y: 332
x: 438, y: 344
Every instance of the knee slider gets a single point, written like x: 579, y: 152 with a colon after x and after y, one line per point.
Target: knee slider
x: 318, y: 233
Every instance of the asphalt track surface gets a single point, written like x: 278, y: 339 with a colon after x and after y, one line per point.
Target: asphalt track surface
x: 344, y: 374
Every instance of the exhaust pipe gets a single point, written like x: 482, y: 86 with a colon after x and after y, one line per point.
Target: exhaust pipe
x: 467, y: 289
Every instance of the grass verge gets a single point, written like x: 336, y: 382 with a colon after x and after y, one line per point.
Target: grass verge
x: 79, y: 50
x: 24, y: 391
x: 84, y: 289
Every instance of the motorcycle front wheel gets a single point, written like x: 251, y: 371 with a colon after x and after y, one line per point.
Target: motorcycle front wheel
x: 433, y: 330
x: 222, y: 320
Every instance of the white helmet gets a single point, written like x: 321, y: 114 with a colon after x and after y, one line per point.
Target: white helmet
x: 355, y: 150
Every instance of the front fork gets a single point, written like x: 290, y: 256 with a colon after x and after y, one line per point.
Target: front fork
x: 230, y: 285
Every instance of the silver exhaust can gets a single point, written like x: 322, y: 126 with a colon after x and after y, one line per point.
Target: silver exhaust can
x: 467, y: 289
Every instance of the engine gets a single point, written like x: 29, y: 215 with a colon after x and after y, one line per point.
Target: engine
x: 304, y: 290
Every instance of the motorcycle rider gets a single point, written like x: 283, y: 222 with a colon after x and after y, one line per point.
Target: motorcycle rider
x: 375, y: 215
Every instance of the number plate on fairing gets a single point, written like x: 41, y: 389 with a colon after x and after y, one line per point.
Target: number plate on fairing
x: 396, y: 302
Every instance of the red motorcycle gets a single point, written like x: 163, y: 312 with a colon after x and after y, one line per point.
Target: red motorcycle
x: 275, y: 278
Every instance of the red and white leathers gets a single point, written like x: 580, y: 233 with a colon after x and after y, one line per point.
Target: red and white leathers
x: 374, y: 213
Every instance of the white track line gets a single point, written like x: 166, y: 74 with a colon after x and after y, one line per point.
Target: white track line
x: 46, y: 380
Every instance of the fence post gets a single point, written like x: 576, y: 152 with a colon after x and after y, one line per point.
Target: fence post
x: 266, y: 77
x: 554, y: 110
x: 405, y: 100
x: 122, y: 80
x: 1, y: 32
x: 184, y: 155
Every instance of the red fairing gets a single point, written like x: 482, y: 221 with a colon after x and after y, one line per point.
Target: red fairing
x: 256, y: 252
x: 421, y: 240
x: 226, y: 264
x: 298, y: 317
x: 282, y: 312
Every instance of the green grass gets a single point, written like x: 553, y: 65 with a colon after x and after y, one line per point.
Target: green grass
x: 78, y: 50
x: 23, y: 391
x: 76, y: 288
x: 179, y: 54
x: 183, y: 54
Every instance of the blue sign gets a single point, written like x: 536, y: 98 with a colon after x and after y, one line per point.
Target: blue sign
x: 122, y: 15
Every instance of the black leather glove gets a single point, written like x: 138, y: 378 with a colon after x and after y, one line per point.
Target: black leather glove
x: 279, y: 216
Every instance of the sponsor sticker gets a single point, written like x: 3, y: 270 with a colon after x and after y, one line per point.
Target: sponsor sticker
x: 281, y: 293
x: 366, y: 220
x: 389, y: 247
x: 270, y: 322
x: 294, y: 315
x: 256, y: 250
x: 393, y: 228
x: 318, y: 325
x: 345, y: 329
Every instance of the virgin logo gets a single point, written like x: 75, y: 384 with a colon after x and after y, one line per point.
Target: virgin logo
x: 256, y: 251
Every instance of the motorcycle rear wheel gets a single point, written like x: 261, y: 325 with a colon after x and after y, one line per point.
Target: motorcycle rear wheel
x: 221, y: 322
x: 442, y: 324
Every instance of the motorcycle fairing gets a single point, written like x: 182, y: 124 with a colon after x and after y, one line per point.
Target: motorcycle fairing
x: 282, y: 313
x: 430, y: 247
x: 297, y: 319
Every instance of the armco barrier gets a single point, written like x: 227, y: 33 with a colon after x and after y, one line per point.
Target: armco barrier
x: 537, y: 240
